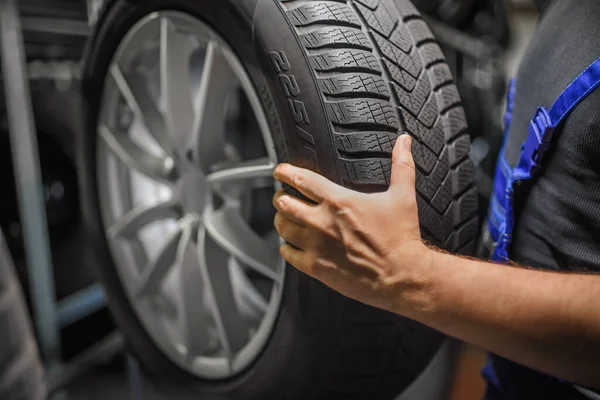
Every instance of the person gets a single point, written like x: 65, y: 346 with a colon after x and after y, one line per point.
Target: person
x: 539, y: 314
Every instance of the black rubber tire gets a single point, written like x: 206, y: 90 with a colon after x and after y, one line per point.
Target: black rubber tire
x: 339, y: 80
x: 21, y: 371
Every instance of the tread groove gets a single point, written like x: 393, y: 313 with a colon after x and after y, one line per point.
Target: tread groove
x: 380, y: 73
x: 366, y: 126
x: 409, y: 18
x: 353, y: 95
x: 324, y: 24
x: 322, y: 49
x: 436, y: 62
x: 363, y: 155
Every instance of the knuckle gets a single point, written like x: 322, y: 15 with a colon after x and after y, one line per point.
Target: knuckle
x: 313, y: 263
x: 345, y: 208
x: 298, y: 179
x: 407, y: 162
x: 340, y: 201
x: 283, y: 169
x: 332, y: 231
x: 346, y: 199
x: 318, y: 263
x: 353, y: 221
x: 320, y: 267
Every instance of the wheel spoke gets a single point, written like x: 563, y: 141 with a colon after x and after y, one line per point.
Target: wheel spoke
x: 130, y: 223
x: 253, y: 305
x: 134, y: 157
x: 134, y: 89
x: 233, y: 330
x: 231, y: 232
x: 176, y: 83
x: 259, y: 168
x: 195, y: 318
x: 157, y: 269
x: 209, y: 126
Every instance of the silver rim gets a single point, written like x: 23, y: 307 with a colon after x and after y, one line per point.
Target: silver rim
x: 179, y: 184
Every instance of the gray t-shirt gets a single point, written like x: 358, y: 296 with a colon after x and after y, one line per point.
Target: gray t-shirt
x: 558, y: 224
x: 558, y: 212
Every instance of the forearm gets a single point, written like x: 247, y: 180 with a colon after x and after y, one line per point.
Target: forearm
x: 547, y: 321
x: 368, y: 247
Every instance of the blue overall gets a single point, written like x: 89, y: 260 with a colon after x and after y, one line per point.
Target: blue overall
x: 507, y: 179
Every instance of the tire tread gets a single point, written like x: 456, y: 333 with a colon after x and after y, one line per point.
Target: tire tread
x: 381, y: 74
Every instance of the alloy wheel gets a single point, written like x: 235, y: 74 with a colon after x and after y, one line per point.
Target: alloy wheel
x: 184, y: 190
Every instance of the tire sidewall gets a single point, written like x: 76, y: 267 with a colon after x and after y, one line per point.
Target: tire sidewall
x: 301, y: 332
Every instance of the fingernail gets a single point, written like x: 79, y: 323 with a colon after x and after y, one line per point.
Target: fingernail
x: 407, y: 143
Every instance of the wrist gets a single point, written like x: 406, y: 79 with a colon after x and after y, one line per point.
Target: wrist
x: 413, y: 286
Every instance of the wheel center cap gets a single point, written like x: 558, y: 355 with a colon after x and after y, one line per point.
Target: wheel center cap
x: 194, y: 192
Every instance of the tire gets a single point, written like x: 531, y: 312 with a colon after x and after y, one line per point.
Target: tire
x: 21, y: 371
x: 339, y: 81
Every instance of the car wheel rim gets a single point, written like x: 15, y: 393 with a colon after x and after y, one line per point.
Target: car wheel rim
x: 180, y: 195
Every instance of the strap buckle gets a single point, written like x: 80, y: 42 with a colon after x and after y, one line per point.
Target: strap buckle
x: 538, y: 140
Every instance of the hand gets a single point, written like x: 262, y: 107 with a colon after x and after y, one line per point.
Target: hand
x: 365, y: 246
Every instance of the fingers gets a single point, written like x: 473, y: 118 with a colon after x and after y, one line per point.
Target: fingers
x: 294, y: 208
x: 403, y: 166
x: 291, y: 232
x: 297, y: 258
x: 310, y: 184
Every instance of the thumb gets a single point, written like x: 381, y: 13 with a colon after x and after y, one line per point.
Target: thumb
x: 403, y: 165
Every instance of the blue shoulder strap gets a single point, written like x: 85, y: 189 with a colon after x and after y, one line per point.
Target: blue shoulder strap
x: 586, y: 82
x: 541, y: 131
x: 544, y: 123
